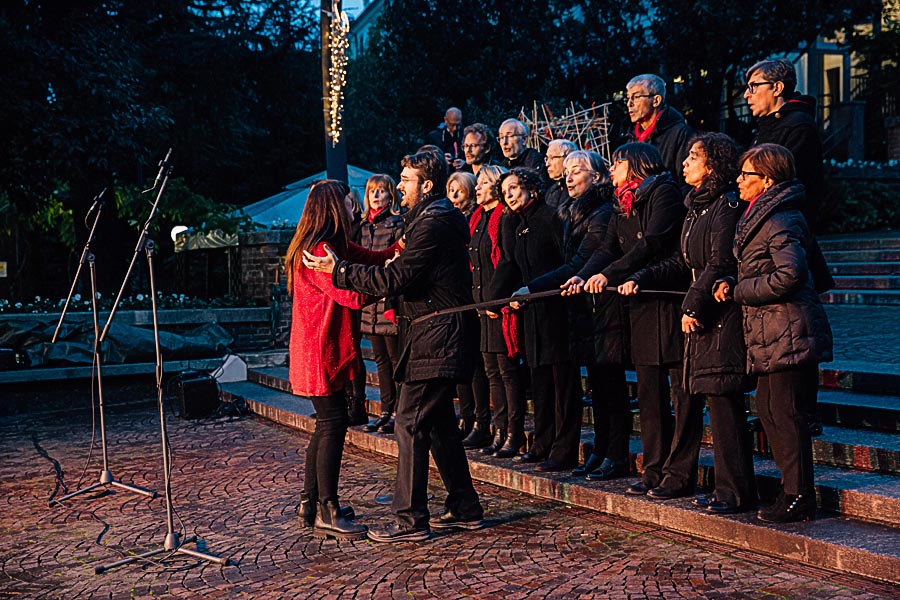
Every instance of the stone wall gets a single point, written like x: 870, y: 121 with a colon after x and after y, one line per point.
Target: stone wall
x: 892, y: 127
x: 262, y: 263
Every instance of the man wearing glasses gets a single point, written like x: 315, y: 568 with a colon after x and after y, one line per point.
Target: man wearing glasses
x: 788, y: 119
x: 657, y: 123
x: 513, y: 142
x: 477, y: 145
x: 557, y: 196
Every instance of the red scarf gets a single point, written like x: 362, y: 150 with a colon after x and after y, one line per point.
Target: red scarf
x: 493, y: 229
x: 510, y: 331
x: 643, y: 135
x: 625, y: 195
x: 374, y: 213
x: 752, y: 202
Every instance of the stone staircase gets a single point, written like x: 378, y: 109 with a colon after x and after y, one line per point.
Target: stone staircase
x: 866, y: 268
x: 857, y: 471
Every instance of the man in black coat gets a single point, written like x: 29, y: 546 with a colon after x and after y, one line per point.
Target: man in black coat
x: 446, y: 136
x: 657, y: 123
x: 556, y: 196
x: 432, y: 273
x: 513, y: 137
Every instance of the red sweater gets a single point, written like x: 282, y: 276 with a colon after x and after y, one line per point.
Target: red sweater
x: 323, y: 338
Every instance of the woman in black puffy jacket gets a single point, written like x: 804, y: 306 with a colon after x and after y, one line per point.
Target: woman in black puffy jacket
x: 380, y: 227
x: 785, y: 326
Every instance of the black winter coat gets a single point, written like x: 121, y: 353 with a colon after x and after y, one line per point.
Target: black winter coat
x: 648, y: 236
x: 530, y: 158
x: 785, y: 325
x: 671, y: 136
x: 715, y: 356
x: 556, y: 196
x: 432, y: 273
x: 530, y: 249
x: 483, y: 278
x: 386, y: 229
x: 598, y: 329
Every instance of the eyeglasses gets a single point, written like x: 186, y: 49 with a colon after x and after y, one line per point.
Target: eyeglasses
x: 548, y: 158
x: 752, y: 85
x: 511, y: 136
x: 634, y: 98
x: 745, y: 174
x: 408, y: 180
x: 472, y: 146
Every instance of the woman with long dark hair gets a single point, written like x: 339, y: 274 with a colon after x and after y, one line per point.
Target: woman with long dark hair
x: 323, y: 355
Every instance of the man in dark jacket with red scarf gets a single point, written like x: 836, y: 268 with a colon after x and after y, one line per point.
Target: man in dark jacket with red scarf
x: 657, y: 123
x: 432, y: 273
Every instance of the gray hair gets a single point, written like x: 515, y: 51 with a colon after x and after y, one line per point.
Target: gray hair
x: 520, y: 127
x: 774, y: 70
x: 565, y: 146
x: 453, y: 110
x: 654, y: 84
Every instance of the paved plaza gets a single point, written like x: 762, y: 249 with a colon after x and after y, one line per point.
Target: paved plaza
x: 235, y: 484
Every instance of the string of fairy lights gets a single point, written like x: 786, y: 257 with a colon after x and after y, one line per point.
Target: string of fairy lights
x: 338, y: 43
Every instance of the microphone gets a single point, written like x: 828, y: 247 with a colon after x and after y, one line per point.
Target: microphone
x: 163, y: 167
x: 99, y: 201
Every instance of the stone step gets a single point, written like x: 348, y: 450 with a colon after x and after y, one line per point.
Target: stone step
x: 838, y: 543
x: 873, y: 241
x: 867, y: 282
x: 847, y: 446
x: 870, y: 255
x: 864, y: 268
x: 868, y: 297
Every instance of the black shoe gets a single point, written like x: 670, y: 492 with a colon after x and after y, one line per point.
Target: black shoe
x: 512, y: 446
x: 609, y: 469
x: 704, y: 500
x: 465, y: 426
x: 499, y: 440
x: 592, y: 463
x: 528, y: 457
x: 720, y: 507
x: 330, y: 523
x: 448, y: 521
x: 479, y: 437
x: 307, y: 511
x: 666, y: 493
x: 815, y: 428
x: 638, y: 489
x: 376, y: 424
x: 356, y: 411
x: 387, y: 427
x: 551, y: 466
x: 396, y: 533
x: 789, y: 508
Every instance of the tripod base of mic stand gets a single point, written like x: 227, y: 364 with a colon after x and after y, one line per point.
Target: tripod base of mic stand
x: 106, y: 478
x: 171, y: 545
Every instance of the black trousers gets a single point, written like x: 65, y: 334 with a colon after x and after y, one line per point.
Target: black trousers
x: 426, y: 421
x: 784, y: 402
x: 680, y: 468
x: 732, y: 450
x: 384, y: 348
x: 556, y: 391
x: 657, y: 423
x: 612, y: 419
x: 475, y: 398
x: 326, y: 447
x: 507, y: 392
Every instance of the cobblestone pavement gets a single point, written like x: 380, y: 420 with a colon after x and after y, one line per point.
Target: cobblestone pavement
x: 235, y: 484
x: 865, y: 333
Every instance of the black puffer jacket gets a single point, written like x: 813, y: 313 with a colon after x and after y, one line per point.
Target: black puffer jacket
x: 648, y: 236
x: 385, y: 229
x: 556, y: 197
x: 671, y: 136
x: 430, y: 274
x: 785, y: 325
x: 483, y: 277
x: 598, y: 329
x: 530, y: 249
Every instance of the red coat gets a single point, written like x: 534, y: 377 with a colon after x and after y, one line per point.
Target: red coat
x: 323, y: 338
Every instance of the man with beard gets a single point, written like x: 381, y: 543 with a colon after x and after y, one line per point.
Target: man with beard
x: 431, y: 274
x: 478, y: 144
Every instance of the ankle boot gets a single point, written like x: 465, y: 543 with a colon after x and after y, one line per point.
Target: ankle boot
x: 465, y: 426
x: 499, y: 440
x: 356, y: 410
x: 515, y: 442
x: 381, y: 421
x: 331, y: 524
x: 479, y: 437
x: 789, y: 508
x: 307, y: 511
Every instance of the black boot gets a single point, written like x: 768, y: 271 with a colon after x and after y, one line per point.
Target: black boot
x: 514, y: 443
x: 381, y: 421
x: 307, y: 511
x: 789, y: 508
x: 330, y: 523
x: 465, y: 426
x: 592, y: 463
x: 356, y: 411
x: 499, y: 440
x: 479, y: 437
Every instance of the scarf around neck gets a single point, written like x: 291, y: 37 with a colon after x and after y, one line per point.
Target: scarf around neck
x: 643, y: 135
x: 625, y: 195
x: 493, y: 229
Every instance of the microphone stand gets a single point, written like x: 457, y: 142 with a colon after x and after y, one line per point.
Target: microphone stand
x: 171, y: 543
x: 87, y: 257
